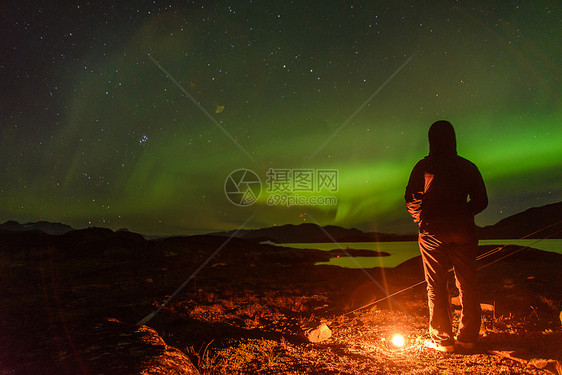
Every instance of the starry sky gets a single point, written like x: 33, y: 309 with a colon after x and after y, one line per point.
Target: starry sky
x: 132, y: 114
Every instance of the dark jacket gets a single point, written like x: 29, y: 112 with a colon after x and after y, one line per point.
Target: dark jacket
x: 444, y: 187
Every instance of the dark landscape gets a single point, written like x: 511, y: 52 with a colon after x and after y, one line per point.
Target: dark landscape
x: 72, y: 300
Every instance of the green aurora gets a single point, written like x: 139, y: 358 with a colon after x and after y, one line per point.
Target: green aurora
x: 128, y: 148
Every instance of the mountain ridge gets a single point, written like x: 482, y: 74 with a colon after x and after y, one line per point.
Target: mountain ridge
x: 43, y: 226
x: 545, y: 220
x: 535, y: 222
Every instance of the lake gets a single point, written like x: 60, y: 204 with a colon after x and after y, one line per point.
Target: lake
x: 403, y: 251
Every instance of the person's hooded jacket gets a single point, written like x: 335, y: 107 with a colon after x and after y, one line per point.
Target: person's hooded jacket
x: 444, y: 188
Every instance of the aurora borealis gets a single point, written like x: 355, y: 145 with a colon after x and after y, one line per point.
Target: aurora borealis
x: 133, y: 114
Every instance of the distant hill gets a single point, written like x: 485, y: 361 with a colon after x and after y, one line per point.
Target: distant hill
x: 527, y: 222
x: 74, y: 243
x: 515, y: 226
x: 312, y: 233
x: 43, y: 226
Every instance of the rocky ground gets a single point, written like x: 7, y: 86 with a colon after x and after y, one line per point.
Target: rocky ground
x: 70, y: 306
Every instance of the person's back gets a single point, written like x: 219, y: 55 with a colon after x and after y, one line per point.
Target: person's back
x: 440, y: 183
x: 443, y: 194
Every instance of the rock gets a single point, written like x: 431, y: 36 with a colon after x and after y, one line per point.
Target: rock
x: 321, y: 333
x: 538, y: 363
x: 550, y: 365
x: 120, y: 348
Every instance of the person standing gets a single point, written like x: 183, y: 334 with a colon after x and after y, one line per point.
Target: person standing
x: 444, y: 193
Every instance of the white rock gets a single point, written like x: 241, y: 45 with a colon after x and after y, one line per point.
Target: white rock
x: 321, y: 333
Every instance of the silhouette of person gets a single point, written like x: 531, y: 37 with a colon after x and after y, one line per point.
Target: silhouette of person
x: 443, y: 194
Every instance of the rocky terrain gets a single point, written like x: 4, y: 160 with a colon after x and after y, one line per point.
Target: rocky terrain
x: 71, y: 304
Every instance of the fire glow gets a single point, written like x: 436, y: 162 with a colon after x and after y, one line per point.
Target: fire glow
x: 398, y: 341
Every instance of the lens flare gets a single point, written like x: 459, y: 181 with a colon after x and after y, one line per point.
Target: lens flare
x: 398, y: 340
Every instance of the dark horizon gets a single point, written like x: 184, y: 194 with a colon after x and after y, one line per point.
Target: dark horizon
x: 536, y: 216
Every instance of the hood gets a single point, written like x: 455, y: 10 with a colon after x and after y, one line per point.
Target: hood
x: 442, y: 138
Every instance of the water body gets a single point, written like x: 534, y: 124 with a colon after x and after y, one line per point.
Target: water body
x: 403, y: 251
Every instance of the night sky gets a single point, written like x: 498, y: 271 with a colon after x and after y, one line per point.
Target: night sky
x: 132, y: 114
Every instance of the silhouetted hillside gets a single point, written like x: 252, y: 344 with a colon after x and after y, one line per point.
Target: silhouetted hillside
x: 44, y: 226
x: 527, y: 222
x: 85, y: 243
x: 515, y: 226
x: 311, y: 233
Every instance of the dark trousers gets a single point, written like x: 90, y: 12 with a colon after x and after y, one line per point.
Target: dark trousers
x: 442, y: 247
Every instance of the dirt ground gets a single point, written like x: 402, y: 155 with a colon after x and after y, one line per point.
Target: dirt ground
x: 71, y: 307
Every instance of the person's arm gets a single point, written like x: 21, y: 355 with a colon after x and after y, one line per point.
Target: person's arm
x: 478, y: 196
x: 414, y: 193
